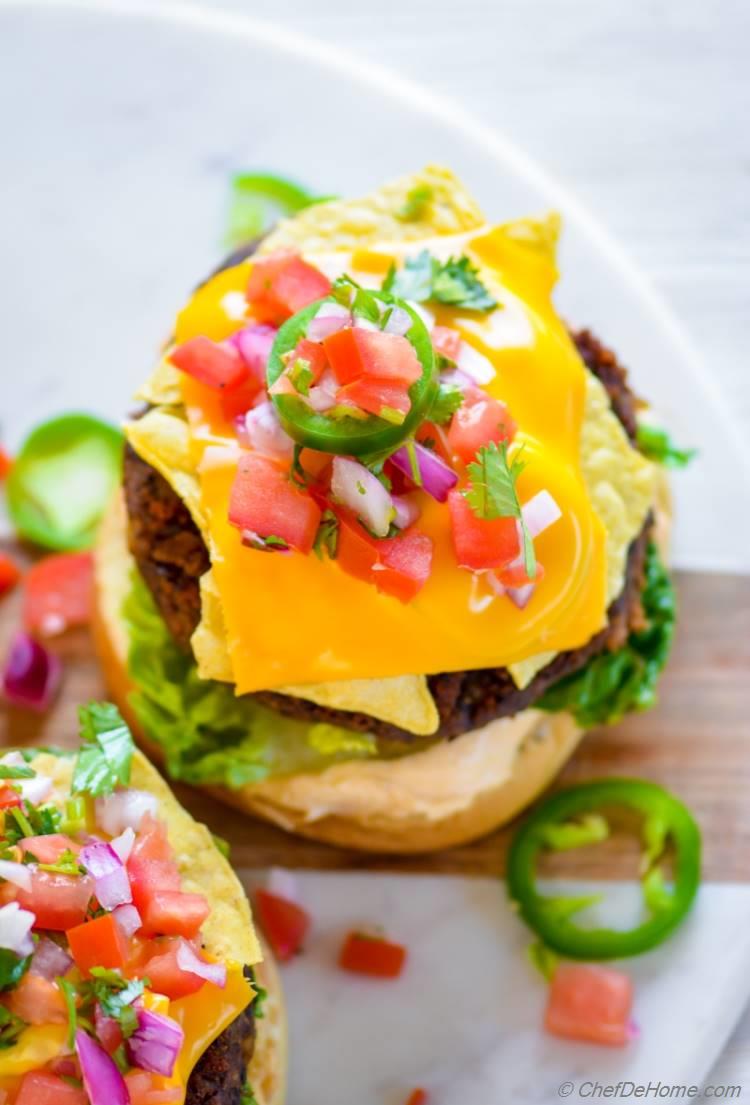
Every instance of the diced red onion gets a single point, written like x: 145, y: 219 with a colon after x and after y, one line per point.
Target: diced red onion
x: 634, y: 1030
x: 540, y: 512
x: 520, y: 596
x: 265, y: 433
x: 475, y: 364
x: 437, y: 477
x: 156, y: 1043
x: 454, y: 377
x: 123, y: 844
x: 283, y: 884
x: 112, y: 886
x: 322, y: 396
x: 128, y: 918
x: 330, y: 318
x: 254, y: 344
x: 188, y: 961
x: 50, y: 961
x: 31, y: 677
x: 399, y: 322
x: 17, y: 873
x: 125, y: 809
x: 361, y: 323
x: 102, y: 1080
x: 356, y: 487
x: 34, y: 790
x: 15, y: 929
x: 407, y: 511
x: 495, y: 584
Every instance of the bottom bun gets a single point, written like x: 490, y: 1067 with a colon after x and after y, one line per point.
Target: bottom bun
x: 449, y: 794
x: 266, y: 1071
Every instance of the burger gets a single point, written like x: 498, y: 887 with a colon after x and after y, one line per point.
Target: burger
x: 130, y: 972
x: 388, y: 539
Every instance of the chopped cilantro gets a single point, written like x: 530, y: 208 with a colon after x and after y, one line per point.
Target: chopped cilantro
x: 347, y: 292
x: 327, y: 537
x: 69, y: 993
x: 301, y: 376
x: 75, y: 816
x: 66, y: 864
x: 12, y: 968
x: 657, y: 445
x: 115, y: 996
x: 493, y: 493
x: 261, y: 996
x: 454, y: 282
x: 9, y: 772
x: 266, y: 544
x: 411, y: 451
x: 11, y: 1027
x: 416, y: 204
x: 106, y: 753
x: 447, y: 401
x: 21, y: 828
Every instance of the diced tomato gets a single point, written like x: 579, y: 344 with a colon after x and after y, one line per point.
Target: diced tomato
x: 173, y: 913
x: 239, y: 399
x: 10, y: 573
x: 354, y: 352
x: 40, y: 1088
x: 480, y: 542
x: 368, y: 955
x: 282, y: 284
x: 9, y: 798
x: 515, y: 575
x: 152, y: 842
x: 264, y: 500
x: 447, y: 341
x: 6, y: 463
x: 58, y: 901
x: 479, y: 420
x: 48, y: 849
x: 217, y: 366
x: 356, y: 551
x: 58, y: 593
x: 98, y: 943
x: 163, y: 971
x: 38, y: 1001
x: 590, y: 1002
x: 375, y: 396
x: 314, y: 463
x: 437, y: 437
x: 417, y: 1097
x: 405, y: 565
x: 145, y: 1089
x: 108, y: 1031
x: 315, y: 355
x: 285, y: 923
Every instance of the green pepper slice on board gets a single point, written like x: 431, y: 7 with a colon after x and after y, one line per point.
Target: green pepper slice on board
x: 665, y: 819
x: 351, y: 436
x: 62, y: 480
x: 258, y: 199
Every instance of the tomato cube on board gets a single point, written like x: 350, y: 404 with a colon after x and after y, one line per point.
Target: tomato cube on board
x: 285, y: 923
x: 10, y: 574
x: 590, y: 1002
x: 58, y: 593
x: 371, y: 955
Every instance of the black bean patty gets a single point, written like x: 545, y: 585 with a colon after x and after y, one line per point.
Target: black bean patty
x: 219, y: 1076
x: 171, y: 556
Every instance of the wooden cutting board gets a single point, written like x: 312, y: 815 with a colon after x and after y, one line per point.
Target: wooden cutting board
x: 696, y: 742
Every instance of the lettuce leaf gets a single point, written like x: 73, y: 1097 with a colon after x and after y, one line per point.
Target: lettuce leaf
x: 207, y: 733
x: 616, y: 683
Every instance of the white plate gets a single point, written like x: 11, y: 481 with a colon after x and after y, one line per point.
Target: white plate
x: 121, y: 123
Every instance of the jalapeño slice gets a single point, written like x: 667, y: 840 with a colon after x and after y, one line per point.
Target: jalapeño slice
x: 352, y: 435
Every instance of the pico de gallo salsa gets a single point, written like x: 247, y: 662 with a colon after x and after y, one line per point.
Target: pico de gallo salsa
x: 353, y: 409
x: 100, y: 944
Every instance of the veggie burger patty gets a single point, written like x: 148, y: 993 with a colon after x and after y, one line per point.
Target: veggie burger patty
x: 218, y: 1077
x: 172, y: 556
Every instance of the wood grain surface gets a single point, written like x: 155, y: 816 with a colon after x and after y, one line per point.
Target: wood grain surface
x: 694, y: 742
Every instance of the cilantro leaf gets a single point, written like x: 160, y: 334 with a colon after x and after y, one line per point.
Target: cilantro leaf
x: 12, y: 968
x: 106, y: 753
x: 657, y: 445
x: 115, y: 996
x: 69, y: 993
x: 455, y: 282
x: 11, y: 1027
x: 447, y: 401
x: 9, y: 772
x: 66, y: 864
x: 327, y: 537
x: 418, y: 199
x: 493, y: 494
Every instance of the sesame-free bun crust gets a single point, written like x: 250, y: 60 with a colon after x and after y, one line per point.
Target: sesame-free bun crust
x: 452, y: 793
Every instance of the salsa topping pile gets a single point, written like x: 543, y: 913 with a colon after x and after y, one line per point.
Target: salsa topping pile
x: 353, y: 408
x: 97, y: 937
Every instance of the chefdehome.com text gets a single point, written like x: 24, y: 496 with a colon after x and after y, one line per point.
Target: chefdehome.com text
x: 646, y: 1091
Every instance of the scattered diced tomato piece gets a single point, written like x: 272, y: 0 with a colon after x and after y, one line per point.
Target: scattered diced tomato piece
x: 163, y: 971
x: 10, y: 573
x: 98, y: 943
x: 217, y: 366
x: 371, y: 955
x: 148, y: 1089
x: 285, y: 923
x: 405, y: 565
x: 264, y: 500
x: 282, y: 284
x: 447, y: 341
x: 315, y: 355
x: 58, y: 901
x: 9, y: 798
x: 173, y: 913
x: 417, y: 1097
x: 480, y: 542
x: 38, y: 1001
x: 6, y: 463
x: 58, y: 593
x: 590, y: 1002
x: 48, y: 849
x: 354, y: 352
x: 40, y: 1088
x: 478, y: 421
x: 386, y: 400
